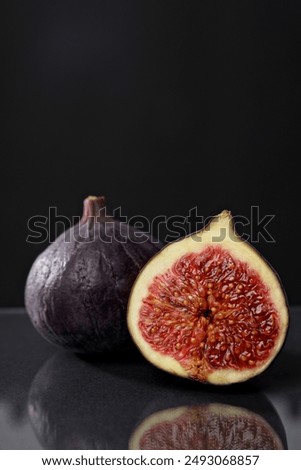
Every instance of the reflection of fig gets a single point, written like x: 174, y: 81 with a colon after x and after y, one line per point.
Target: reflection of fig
x: 77, y: 290
x: 209, y: 307
x: 197, y: 403
x: 74, y: 404
x: 22, y: 353
x: 79, y: 404
x: 207, y: 427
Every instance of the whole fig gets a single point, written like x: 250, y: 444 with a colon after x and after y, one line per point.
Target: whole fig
x: 77, y: 289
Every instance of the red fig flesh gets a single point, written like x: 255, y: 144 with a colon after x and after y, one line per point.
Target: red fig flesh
x: 209, y: 307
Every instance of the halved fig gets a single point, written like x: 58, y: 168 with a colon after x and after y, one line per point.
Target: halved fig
x: 207, y: 427
x: 209, y: 307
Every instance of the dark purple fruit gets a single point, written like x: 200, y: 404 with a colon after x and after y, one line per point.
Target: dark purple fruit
x: 77, y: 290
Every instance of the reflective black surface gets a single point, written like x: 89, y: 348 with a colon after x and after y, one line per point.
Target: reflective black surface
x: 52, y: 399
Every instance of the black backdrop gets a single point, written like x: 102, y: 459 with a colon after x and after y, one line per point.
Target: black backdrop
x: 159, y: 105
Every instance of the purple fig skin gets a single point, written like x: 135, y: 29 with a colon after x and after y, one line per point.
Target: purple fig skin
x: 77, y: 290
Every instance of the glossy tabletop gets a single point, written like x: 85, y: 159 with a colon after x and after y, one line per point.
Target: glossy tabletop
x: 51, y: 399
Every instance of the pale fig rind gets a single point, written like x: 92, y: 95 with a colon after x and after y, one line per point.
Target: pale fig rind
x: 220, y: 232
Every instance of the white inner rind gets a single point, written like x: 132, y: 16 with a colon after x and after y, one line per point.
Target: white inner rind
x: 220, y: 232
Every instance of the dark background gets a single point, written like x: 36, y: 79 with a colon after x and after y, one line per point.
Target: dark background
x: 159, y: 105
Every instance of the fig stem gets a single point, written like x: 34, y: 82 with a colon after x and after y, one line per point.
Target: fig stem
x: 94, y: 209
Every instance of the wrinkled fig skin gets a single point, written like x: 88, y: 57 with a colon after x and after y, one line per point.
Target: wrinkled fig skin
x: 77, y: 291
